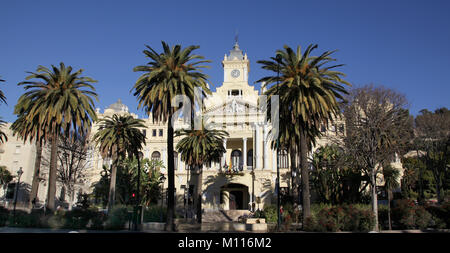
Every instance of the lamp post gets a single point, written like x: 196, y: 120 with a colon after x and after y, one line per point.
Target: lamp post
x: 138, y: 211
x: 278, y: 59
x: 19, y: 174
x: 162, y: 179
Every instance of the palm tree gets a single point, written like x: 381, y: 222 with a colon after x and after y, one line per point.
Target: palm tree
x: 197, y: 148
x: 119, y: 136
x: 3, y: 137
x: 174, y: 72
x: 62, y: 104
x: 2, y: 95
x: 391, y: 176
x: 309, y: 93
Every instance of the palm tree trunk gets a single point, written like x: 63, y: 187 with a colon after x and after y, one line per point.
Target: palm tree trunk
x: 37, y: 168
x: 305, y: 176
x: 170, y: 226
x: 52, y: 173
x: 198, y: 200
x: 292, y: 156
x: 389, y: 209
x: 112, y: 185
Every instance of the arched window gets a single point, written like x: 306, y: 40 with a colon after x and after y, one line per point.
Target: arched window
x: 283, y: 159
x: 250, y: 158
x: 156, y: 155
x: 236, y: 160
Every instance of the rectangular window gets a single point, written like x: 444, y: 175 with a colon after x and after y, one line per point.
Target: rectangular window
x: 154, y: 133
x: 160, y: 132
x: 144, y: 132
x: 235, y: 92
x: 17, y: 150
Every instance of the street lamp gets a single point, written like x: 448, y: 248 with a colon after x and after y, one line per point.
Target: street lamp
x: 19, y: 174
x: 162, y: 179
x: 278, y: 59
x: 138, y: 214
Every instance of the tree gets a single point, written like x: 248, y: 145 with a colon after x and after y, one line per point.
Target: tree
x: 309, y: 93
x: 378, y: 127
x: 2, y: 95
x: 3, y: 137
x: 433, y: 137
x: 198, y: 147
x: 150, y: 189
x: 174, y: 72
x: 72, y: 161
x: 62, y: 104
x: 390, y: 175
x: 117, y: 137
x: 5, y: 177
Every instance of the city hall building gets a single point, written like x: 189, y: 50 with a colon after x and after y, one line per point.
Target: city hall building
x: 247, y: 171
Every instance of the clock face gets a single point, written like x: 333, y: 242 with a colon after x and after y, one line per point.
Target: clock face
x: 235, y: 73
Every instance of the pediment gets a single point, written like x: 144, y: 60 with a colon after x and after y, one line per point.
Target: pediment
x: 233, y: 106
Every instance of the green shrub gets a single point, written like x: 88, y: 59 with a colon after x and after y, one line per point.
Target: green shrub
x: 4, y: 214
x: 55, y: 221
x: 117, y: 218
x: 270, y: 212
x: 78, y: 218
x: 24, y: 219
x: 410, y: 216
x: 310, y: 224
x: 383, y: 219
x: 339, y: 218
x: 153, y: 214
x: 258, y: 214
x: 440, y: 215
x: 97, y: 220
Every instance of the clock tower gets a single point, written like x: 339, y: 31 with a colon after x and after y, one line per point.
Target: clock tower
x: 236, y: 67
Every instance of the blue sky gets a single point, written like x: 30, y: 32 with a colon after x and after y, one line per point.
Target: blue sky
x: 403, y: 45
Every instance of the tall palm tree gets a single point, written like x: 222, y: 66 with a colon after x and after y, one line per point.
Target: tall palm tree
x: 62, y: 102
x: 309, y: 94
x: 3, y: 137
x: 391, y: 176
x: 198, y: 147
x: 119, y: 136
x: 173, y: 72
x: 2, y: 95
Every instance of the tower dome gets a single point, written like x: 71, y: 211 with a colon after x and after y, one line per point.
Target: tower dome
x: 118, y: 106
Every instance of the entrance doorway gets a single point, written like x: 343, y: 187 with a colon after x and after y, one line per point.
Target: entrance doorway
x: 234, y: 197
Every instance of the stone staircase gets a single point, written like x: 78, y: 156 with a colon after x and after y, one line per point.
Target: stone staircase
x: 223, y: 215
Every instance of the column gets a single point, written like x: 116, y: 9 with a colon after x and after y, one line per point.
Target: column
x: 266, y: 148
x: 164, y: 156
x: 226, y: 200
x: 180, y: 163
x: 257, y: 147
x: 244, y: 153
